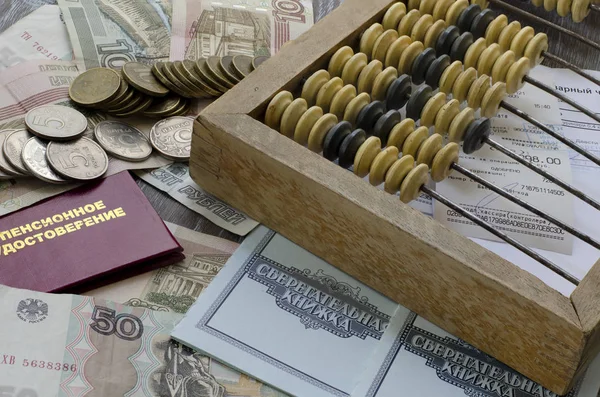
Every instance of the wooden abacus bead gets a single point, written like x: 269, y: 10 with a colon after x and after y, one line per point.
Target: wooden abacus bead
x: 383, y: 82
x: 383, y: 43
x: 341, y: 100
x: 508, y: 33
x: 536, y: 48
x: 516, y: 75
x: 445, y: 116
x: 385, y: 124
x: 313, y: 85
x: 466, y: 18
x: 520, y: 41
x: 537, y: 3
x: 461, y: 46
x: 368, y: 116
x: 406, y: 24
x: 492, y: 33
x: 350, y: 146
x: 435, y: 71
x: 276, y: 107
x: 392, y: 58
x: 477, y: 132
x: 369, y: 37
x: 580, y: 9
x: 353, y: 67
x: 339, y: 60
x: 550, y: 5
x: 393, y: 16
x: 478, y: 90
x: 421, y: 27
x: 291, y: 116
x: 434, y: 32
x: 397, y: 172
x: 400, y: 132
x: 319, y: 131
x: 431, y: 109
x: 474, y: 53
x: 427, y: 6
x: 381, y: 164
x: 411, y: 186
x: 365, y: 156
x: 463, y: 83
x: 355, y: 106
x: 334, y: 138
x: 492, y: 100
x: 455, y: 11
x: 564, y: 7
x: 421, y: 65
x: 328, y: 91
x: 306, y: 123
x: 449, y: 76
x: 417, y: 102
x: 399, y: 92
x: 446, y: 39
x: 414, y: 141
x: 502, y: 66
x: 441, y: 8
x: 408, y: 56
x: 368, y: 75
x: 481, y: 3
x: 481, y: 22
x: 459, y: 125
x: 429, y: 149
x: 443, y: 160
x: 488, y: 58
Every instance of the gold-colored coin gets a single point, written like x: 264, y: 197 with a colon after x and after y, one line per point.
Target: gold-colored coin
x: 189, y: 68
x: 182, y: 110
x: 124, y: 90
x: 129, y: 95
x: 202, y: 71
x: 137, y: 99
x: 212, y: 66
x: 95, y: 87
x: 164, y: 106
x: 257, y: 61
x: 141, y: 78
x: 141, y: 106
x: 159, y: 70
x: 242, y: 64
x: 181, y: 74
x: 226, y: 66
x: 169, y: 71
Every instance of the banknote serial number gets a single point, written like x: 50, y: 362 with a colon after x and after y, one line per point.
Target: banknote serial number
x: 50, y: 365
x: 40, y: 48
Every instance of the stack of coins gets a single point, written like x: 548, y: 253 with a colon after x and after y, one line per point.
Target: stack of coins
x: 52, y: 148
x: 160, y: 91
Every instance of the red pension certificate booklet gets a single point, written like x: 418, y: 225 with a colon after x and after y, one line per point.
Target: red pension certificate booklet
x: 93, y: 232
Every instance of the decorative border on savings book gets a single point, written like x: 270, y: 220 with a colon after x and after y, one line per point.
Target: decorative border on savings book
x: 203, y: 326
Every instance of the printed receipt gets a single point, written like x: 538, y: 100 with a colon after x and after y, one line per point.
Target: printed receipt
x: 532, y: 144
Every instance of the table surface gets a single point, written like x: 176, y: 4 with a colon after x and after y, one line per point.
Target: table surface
x: 560, y: 44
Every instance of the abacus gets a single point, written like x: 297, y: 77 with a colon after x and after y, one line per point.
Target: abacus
x: 334, y: 94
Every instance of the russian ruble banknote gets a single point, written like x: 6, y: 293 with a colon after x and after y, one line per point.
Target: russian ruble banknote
x: 175, y: 288
x: 12, y: 11
x: 175, y: 180
x: 109, y: 33
x: 202, y: 28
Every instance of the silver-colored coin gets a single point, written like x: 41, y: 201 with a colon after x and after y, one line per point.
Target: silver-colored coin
x: 82, y: 160
x: 34, y: 158
x: 4, y: 164
x: 122, y: 140
x: 172, y: 137
x: 56, y: 123
x: 13, y: 147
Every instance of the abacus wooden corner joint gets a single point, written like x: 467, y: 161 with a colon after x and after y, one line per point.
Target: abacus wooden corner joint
x: 365, y: 231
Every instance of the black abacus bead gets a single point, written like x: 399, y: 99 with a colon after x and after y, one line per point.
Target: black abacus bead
x: 349, y: 147
x: 399, y: 92
x: 476, y: 135
x: 446, y: 39
x: 435, y: 71
x: 465, y: 19
x: 421, y: 65
x: 460, y: 46
x: 385, y: 124
x: 417, y: 102
x: 334, y: 138
x: 369, y: 115
x: 481, y: 23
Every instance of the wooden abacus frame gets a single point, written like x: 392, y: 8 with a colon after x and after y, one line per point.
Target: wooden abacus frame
x: 371, y: 235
